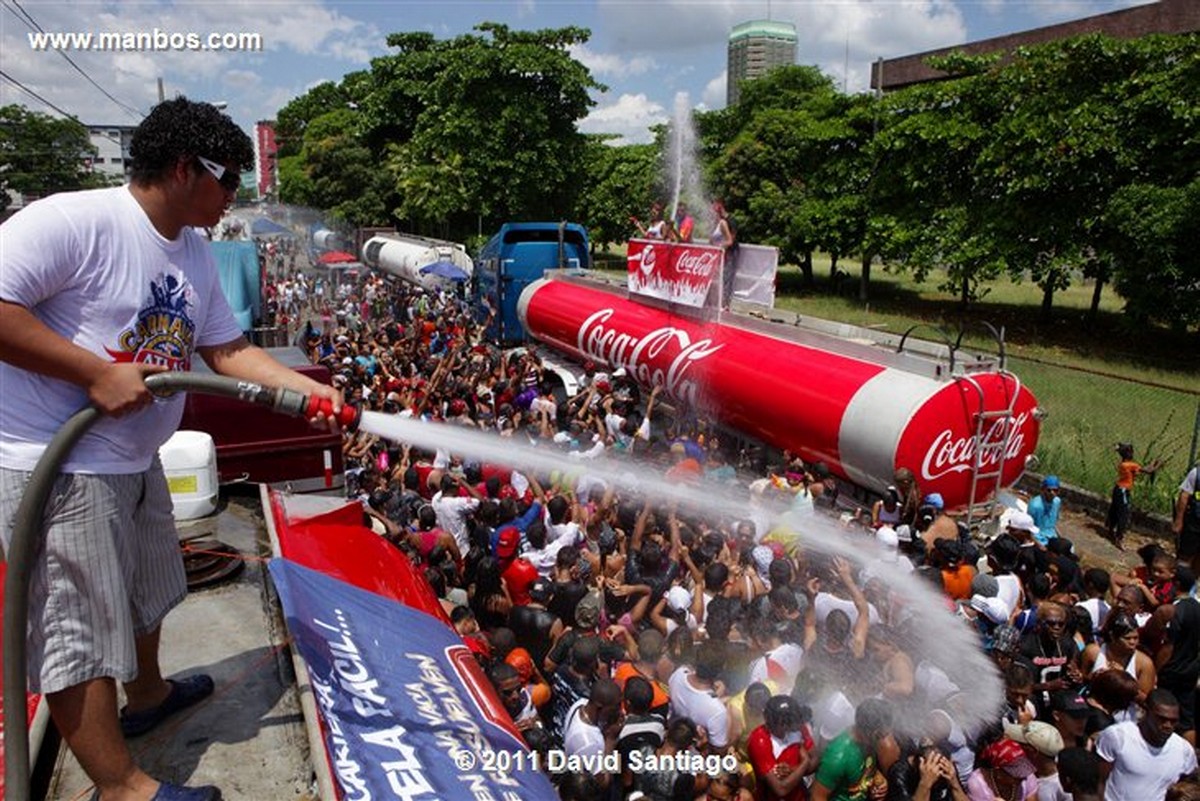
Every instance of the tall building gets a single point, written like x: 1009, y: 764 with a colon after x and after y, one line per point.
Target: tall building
x: 264, y: 157
x: 754, y: 48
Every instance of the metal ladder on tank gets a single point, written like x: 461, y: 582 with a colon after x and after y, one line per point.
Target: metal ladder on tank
x: 985, y: 419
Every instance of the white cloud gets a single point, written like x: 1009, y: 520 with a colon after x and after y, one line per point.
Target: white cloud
x: 630, y: 118
x: 611, y: 65
x: 242, y: 79
x: 714, y: 91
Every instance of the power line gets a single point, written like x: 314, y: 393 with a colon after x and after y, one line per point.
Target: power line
x: 66, y: 114
x: 30, y: 22
x: 38, y: 97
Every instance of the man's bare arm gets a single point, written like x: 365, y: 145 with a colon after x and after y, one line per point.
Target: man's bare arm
x: 26, y: 342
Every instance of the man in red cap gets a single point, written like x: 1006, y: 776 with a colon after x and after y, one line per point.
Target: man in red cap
x: 516, y: 571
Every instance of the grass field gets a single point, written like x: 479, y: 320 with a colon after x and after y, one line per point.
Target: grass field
x: 1126, y: 385
x: 1100, y: 383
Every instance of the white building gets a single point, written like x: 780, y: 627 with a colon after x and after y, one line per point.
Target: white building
x: 112, y: 149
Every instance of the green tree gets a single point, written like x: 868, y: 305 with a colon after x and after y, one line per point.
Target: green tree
x: 293, y: 119
x: 493, y: 133
x: 1157, y: 250
x: 786, y: 164
x: 619, y: 184
x: 1054, y: 157
x: 41, y: 155
x: 343, y: 175
x: 926, y: 211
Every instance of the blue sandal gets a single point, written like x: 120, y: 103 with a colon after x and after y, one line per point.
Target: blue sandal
x: 184, y: 693
x: 174, y: 792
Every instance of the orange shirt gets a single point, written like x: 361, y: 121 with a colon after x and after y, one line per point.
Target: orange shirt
x: 1126, y: 472
x: 627, y: 670
x: 957, y: 582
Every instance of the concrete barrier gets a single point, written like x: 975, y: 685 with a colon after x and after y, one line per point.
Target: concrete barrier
x: 1096, y: 505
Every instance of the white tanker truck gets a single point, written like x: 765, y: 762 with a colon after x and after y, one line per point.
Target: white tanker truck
x: 324, y: 239
x: 428, y: 263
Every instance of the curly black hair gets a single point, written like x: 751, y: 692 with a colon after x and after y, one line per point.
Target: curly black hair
x: 181, y: 128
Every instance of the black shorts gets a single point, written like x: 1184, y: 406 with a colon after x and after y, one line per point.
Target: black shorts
x: 1189, y: 539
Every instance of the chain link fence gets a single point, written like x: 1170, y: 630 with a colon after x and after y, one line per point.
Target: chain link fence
x: 1089, y: 412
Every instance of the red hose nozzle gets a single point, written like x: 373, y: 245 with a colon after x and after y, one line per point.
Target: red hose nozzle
x: 347, y: 418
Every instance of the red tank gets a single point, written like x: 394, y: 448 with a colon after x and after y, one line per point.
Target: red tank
x: 864, y: 414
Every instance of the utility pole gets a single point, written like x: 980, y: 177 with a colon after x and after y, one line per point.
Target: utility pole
x: 161, y: 97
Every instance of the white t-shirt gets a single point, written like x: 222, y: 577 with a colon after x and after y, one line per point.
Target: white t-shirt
x: 1141, y: 772
x: 1010, y: 590
x: 543, y: 405
x: 452, y: 516
x: 1097, y: 610
x: 92, y: 267
x: 825, y: 603
x: 544, y: 559
x: 784, y: 665
x: 1049, y: 788
x: 613, y: 423
x: 579, y: 737
x: 702, y: 706
x: 1191, y: 482
x: 556, y: 531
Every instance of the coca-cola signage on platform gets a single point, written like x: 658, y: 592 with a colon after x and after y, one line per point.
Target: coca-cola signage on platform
x: 678, y: 273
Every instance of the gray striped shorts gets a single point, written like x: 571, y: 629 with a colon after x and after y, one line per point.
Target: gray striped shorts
x: 109, y: 570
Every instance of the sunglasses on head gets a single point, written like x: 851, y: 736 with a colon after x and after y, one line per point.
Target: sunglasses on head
x: 230, y: 181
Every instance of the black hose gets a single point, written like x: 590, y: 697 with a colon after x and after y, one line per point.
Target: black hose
x: 27, y: 535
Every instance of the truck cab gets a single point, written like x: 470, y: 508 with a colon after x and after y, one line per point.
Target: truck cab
x: 518, y: 255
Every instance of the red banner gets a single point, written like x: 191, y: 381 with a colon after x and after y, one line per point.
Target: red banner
x: 673, y: 272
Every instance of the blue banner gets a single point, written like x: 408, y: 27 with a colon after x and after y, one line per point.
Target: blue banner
x: 403, y: 709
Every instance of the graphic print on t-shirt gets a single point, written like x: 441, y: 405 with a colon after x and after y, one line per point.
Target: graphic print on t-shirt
x: 163, y: 332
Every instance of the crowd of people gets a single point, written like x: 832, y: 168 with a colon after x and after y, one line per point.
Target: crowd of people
x: 718, y: 656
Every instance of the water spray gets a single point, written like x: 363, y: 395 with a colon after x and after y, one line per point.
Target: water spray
x: 27, y: 535
x: 944, y: 644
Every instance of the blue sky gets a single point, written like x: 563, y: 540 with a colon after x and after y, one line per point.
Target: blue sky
x: 645, y: 51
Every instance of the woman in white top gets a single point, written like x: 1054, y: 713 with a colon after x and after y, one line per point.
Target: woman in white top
x: 656, y: 228
x: 1119, y: 651
x: 886, y: 511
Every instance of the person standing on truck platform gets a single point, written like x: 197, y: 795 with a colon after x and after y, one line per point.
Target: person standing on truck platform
x: 99, y: 289
x: 685, y: 223
x: 724, y: 236
x: 656, y: 228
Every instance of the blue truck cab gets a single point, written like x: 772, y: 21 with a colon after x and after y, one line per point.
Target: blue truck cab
x: 518, y: 255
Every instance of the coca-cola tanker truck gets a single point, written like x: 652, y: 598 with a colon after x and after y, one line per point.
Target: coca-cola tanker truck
x: 857, y: 400
x: 862, y: 409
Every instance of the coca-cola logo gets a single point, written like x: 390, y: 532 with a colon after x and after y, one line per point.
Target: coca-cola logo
x: 663, y: 357
x: 698, y: 263
x: 648, y: 259
x: 949, y: 454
